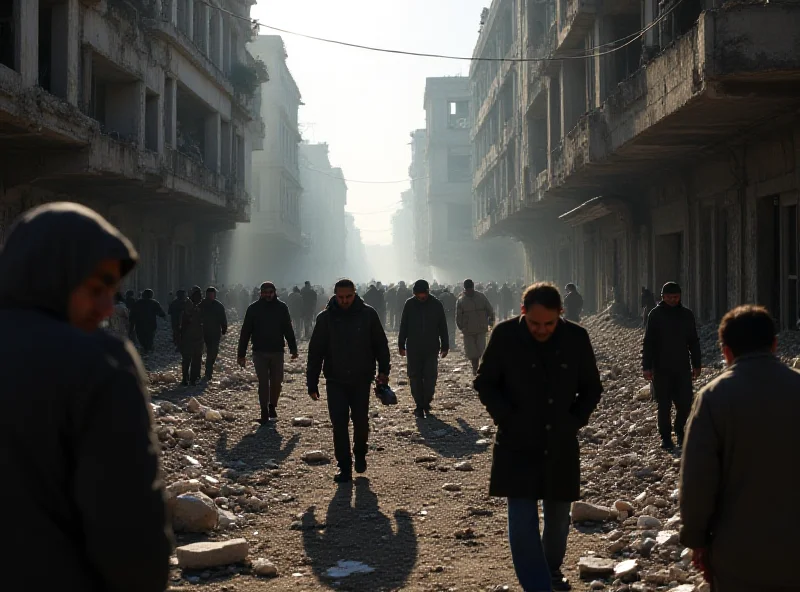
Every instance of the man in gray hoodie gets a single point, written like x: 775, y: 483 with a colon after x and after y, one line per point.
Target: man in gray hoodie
x: 423, y: 332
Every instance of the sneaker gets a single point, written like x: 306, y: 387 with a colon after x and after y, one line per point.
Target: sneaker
x: 559, y: 583
x: 361, y: 464
x: 419, y: 412
x: 343, y: 476
x: 273, y: 414
x: 667, y: 444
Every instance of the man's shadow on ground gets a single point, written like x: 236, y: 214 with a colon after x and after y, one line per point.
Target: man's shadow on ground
x: 447, y: 440
x: 360, y: 532
x: 256, y: 449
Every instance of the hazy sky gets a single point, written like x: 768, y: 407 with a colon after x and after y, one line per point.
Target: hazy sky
x: 364, y: 104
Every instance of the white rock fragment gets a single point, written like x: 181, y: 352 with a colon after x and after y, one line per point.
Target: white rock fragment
x: 264, y: 568
x: 205, y: 555
x: 302, y: 422
x: 314, y: 456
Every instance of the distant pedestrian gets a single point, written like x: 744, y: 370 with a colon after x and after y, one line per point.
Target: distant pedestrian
x: 191, y: 338
x: 175, y: 312
x: 347, y: 343
x: 506, y: 302
x: 119, y: 323
x: 295, y: 303
x: 268, y: 325
x: 740, y: 452
x: 81, y: 392
x: 400, y: 296
x: 144, y: 319
x: 573, y: 304
x: 671, y: 359
x: 309, y: 309
x: 374, y: 298
x: 390, y: 300
x: 539, y: 382
x: 474, y: 317
x: 648, y: 303
x: 449, y: 303
x: 423, y: 332
x: 215, y: 325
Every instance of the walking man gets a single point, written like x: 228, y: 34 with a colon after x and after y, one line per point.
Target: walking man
x: 143, y: 319
x: 739, y: 451
x: 309, y: 309
x: 79, y: 390
x: 671, y: 359
x: 648, y: 303
x: 215, y: 325
x: 191, y: 338
x: 175, y: 312
x: 423, y: 332
x: 295, y: 303
x: 506, y: 302
x: 449, y: 304
x: 374, y: 298
x: 401, y: 295
x: 348, y: 341
x: 474, y: 317
x: 268, y: 325
x: 539, y: 382
x: 389, y: 300
x: 573, y: 304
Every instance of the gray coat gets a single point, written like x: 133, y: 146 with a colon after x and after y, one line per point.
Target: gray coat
x: 740, y: 452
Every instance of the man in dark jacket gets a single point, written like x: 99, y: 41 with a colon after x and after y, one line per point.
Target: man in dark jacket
x: 400, y: 296
x: 295, y: 303
x: 309, y: 309
x: 671, y: 358
x: 347, y: 342
x: 374, y: 298
x: 175, y: 312
x: 78, y: 389
x: 647, y: 304
x: 143, y: 319
x: 215, y: 325
x: 539, y: 381
x: 740, y: 451
x: 449, y: 304
x: 423, y: 332
x: 191, y: 335
x: 268, y: 325
x: 573, y: 304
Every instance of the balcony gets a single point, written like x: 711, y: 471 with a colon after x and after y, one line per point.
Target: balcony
x: 492, y: 95
x: 577, y: 22
x: 495, y: 152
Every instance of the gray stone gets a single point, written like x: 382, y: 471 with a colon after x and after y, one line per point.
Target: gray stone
x: 314, y: 456
x: 584, y: 511
x: 647, y: 522
x: 302, y: 422
x: 205, y: 555
x: 627, y: 570
x: 464, y: 466
x: 452, y: 486
x: 185, y: 434
x: 194, y: 512
x: 426, y: 458
x: 623, y: 506
x: 226, y: 519
x: 591, y: 567
x: 597, y: 585
x: 264, y: 568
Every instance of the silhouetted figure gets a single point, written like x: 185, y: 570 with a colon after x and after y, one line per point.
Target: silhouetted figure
x: 573, y: 304
x: 143, y: 319
x: 215, y: 325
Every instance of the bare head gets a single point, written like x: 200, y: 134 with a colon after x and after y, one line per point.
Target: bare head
x: 211, y: 293
x: 345, y: 292
x: 268, y: 291
x: 469, y: 287
x: 542, y: 308
x: 671, y: 294
x: 747, y: 330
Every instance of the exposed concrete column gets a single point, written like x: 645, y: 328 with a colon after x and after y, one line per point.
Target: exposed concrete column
x: 170, y: 111
x: 190, y: 19
x: 648, y: 16
x: 204, y: 31
x: 213, y: 133
x: 86, y: 80
x: 27, y: 41
x: 573, y: 93
x: 218, y: 54
x: 140, y: 103
x: 603, y: 33
x: 553, y: 119
x: 227, y: 147
x: 65, y: 43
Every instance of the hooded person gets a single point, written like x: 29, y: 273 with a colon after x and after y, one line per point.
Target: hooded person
x: 295, y: 303
x: 143, y: 319
x: 77, y: 388
x: 191, y: 338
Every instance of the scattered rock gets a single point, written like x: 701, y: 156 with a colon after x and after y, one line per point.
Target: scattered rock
x: 590, y: 567
x: 623, y: 506
x: 316, y: 456
x: 302, y: 422
x: 643, y: 394
x: 194, y: 512
x: 667, y: 537
x: 586, y: 512
x: 426, y: 458
x: 264, y: 568
x: 452, y: 486
x: 185, y: 434
x: 464, y: 466
x: 212, y: 415
x: 647, y: 522
x: 627, y: 570
x: 205, y: 555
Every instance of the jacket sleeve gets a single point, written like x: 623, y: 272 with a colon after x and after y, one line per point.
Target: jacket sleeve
x: 489, y: 310
x: 694, y: 342
x: 316, y: 352
x: 444, y: 336
x: 403, y: 335
x: 460, y: 315
x: 246, y: 333
x: 118, y: 411
x: 490, y: 381
x: 590, y: 387
x: 380, y: 345
x: 288, y: 331
x: 648, y: 343
x: 223, y: 319
x: 700, y: 475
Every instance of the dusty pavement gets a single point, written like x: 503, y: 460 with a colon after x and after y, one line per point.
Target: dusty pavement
x: 420, y: 519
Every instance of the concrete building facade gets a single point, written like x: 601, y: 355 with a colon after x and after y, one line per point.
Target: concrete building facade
x: 658, y: 141
x: 322, y: 214
x: 272, y: 245
x: 403, y: 228
x: 134, y: 109
x: 418, y: 173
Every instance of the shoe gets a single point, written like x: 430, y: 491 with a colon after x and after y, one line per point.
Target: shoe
x: 343, y: 476
x: 419, y: 412
x: 427, y: 410
x: 667, y: 444
x: 193, y: 383
x: 273, y: 414
x: 559, y: 583
x: 361, y: 464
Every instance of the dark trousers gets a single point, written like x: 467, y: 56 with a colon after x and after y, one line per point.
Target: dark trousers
x: 346, y: 401
x: 423, y: 370
x: 269, y: 369
x: 670, y: 387
x: 212, y: 351
x: 537, y: 556
x: 146, y: 338
x: 192, y: 359
x: 308, y: 324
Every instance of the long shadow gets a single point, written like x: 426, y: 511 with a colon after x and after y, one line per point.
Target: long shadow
x: 255, y: 451
x: 447, y: 440
x: 361, y: 533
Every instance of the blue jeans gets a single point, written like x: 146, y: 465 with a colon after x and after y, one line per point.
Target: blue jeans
x: 536, y: 557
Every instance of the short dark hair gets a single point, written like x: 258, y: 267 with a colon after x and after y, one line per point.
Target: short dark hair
x: 747, y: 329
x: 344, y: 283
x: 543, y: 293
x: 572, y: 287
x: 211, y: 289
x: 469, y: 284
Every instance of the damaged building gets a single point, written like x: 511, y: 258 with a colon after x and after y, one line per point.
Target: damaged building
x: 143, y: 111
x: 641, y: 142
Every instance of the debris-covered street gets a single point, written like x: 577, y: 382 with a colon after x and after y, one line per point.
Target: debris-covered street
x: 420, y: 518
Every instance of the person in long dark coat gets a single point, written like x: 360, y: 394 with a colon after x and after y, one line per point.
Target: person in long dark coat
x: 192, y: 335
x: 143, y: 318
x: 76, y: 426
x: 215, y: 325
x: 539, y: 381
x: 175, y: 312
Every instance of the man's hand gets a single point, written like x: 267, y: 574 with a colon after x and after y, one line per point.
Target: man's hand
x: 648, y: 375
x: 314, y: 396
x: 700, y: 561
x: 242, y: 362
x: 445, y: 352
x: 295, y: 355
x: 696, y: 372
x: 402, y: 352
